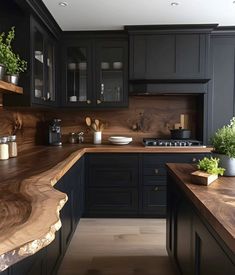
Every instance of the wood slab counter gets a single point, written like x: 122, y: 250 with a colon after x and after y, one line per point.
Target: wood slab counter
x: 215, y: 203
x: 29, y: 205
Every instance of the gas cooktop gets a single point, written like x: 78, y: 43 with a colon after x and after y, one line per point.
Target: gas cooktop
x: 171, y: 142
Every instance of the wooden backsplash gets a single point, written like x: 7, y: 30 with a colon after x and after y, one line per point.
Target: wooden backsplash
x: 153, y: 116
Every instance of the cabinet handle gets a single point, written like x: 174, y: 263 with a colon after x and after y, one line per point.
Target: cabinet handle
x: 194, y: 159
x: 156, y: 189
x: 156, y: 171
x: 88, y: 101
x: 98, y: 101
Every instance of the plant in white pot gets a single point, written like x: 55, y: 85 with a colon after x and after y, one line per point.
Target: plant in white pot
x: 12, y: 62
x: 223, y: 142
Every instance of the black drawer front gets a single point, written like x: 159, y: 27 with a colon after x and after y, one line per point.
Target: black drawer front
x: 153, y: 160
x: 113, y: 160
x: 154, y: 180
x: 157, y: 170
x: 112, y: 200
x: 112, y: 177
x: 154, y: 199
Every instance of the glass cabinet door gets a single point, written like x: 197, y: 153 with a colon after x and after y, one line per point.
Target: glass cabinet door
x: 38, y: 65
x: 50, y: 73
x: 77, y: 76
x: 111, y: 73
x: 43, y: 73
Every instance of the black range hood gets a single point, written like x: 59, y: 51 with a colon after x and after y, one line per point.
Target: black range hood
x: 150, y: 88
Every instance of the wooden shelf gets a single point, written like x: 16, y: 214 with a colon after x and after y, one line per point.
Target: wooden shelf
x: 6, y: 87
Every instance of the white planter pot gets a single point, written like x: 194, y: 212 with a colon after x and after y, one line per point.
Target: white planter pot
x: 97, y: 137
x: 2, y: 71
x: 227, y: 163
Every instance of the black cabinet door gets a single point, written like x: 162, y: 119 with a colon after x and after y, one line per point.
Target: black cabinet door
x: 210, y: 258
x: 111, y: 73
x: 221, y: 92
x: 160, y: 56
x: 54, y: 253
x: 77, y: 73
x: 169, y: 56
x: 112, y: 184
x: 34, y: 264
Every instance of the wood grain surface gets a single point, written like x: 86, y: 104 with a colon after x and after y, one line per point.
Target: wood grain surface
x: 6, y: 87
x: 151, y: 115
x: 216, y: 202
x: 29, y: 203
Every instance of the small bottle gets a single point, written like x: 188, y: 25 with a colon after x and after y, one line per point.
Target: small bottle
x: 4, y: 148
x: 12, y: 146
x: 72, y: 138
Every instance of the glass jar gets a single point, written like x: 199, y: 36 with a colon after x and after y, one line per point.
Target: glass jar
x: 4, y: 148
x: 12, y: 146
x: 72, y: 138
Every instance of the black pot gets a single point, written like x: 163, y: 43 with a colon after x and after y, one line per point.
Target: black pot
x: 180, y: 134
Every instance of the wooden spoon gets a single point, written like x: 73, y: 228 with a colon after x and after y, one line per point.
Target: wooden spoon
x: 94, y: 127
x: 97, y: 122
x: 101, y: 127
x: 88, y: 121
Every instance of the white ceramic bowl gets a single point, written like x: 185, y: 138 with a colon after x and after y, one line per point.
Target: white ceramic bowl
x: 117, y: 65
x: 118, y: 140
x: 105, y: 65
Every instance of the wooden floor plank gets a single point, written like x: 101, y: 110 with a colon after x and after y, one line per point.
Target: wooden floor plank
x: 118, y: 247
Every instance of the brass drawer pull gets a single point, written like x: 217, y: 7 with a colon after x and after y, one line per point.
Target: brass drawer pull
x: 156, y: 171
x: 88, y: 101
x: 156, y: 189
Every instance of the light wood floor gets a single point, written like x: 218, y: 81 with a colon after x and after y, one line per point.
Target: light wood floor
x: 118, y: 247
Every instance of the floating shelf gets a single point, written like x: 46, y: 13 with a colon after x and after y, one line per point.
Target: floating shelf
x: 6, y: 87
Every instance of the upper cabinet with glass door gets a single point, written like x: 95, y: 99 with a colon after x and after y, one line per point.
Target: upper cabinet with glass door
x: 111, y: 73
x: 76, y: 75
x: 43, y: 66
x: 95, y: 72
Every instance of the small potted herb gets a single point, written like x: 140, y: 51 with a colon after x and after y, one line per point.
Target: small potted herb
x: 2, y: 56
x: 223, y: 142
x: 208, y: 171
x: 12, y: 62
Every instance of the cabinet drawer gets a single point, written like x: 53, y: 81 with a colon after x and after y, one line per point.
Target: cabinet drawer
x: 113, y: 160
x: 112, y: 200
x: 154, y: 199
x: 154, y: 180
x: 157, y: 170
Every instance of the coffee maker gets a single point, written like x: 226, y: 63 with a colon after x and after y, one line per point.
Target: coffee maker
x: 55, y: 132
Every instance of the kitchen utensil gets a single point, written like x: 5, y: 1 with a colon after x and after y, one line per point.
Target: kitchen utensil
x: 93, y: 126
x: 88, y: 121
x: 102, y: 127
x: 97, y: 122
x: 180, y: 133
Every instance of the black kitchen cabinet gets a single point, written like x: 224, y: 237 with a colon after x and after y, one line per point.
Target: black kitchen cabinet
x: 192, y: 244
x: 221, y: 99
x: 95, y: 71
x: 112, y: 185
x: 154, y: 180
x: 169, y: 55
x: 39, y: 47
x: 34, y: 264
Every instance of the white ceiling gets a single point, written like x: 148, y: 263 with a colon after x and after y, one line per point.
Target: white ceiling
x: 114, y: 14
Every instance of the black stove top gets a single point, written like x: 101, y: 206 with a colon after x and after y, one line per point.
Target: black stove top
x: 171, y: 142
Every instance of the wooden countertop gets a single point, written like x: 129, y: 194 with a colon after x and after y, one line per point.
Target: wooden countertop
x: 216, y: 202
x: 29, y: 205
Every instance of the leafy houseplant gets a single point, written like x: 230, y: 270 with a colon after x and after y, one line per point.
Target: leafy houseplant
x: 210, y: 166
x: 223, y: 142
x: 12, y: 62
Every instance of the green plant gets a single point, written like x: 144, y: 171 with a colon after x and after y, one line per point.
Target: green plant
x: 223, y: 140
x: 13, y: 63
x: 210, y: 166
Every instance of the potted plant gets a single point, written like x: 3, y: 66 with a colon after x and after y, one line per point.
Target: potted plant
x: 208, y: 171
x: 223, y: 142
x: 11, y: 61
x: 2, y: 56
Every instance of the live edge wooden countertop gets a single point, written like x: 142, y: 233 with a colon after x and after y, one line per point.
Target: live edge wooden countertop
x: 216, y: 202
x: 29, y: 205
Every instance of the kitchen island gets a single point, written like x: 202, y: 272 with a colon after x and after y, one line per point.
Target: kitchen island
x: 200, y: 223
x: 30, y: 205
